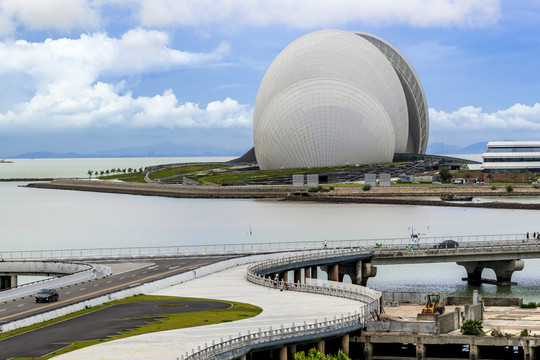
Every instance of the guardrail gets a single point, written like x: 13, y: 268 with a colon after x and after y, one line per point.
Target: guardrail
x: 90, y: 272
x: 236, y: 347
x: 244, y: 249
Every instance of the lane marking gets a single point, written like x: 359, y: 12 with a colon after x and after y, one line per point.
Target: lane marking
x: 103, y: 290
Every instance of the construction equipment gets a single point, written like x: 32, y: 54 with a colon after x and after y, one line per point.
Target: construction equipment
x: 433, y: 304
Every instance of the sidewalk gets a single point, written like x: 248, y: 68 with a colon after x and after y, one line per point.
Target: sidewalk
x: 279, y: 307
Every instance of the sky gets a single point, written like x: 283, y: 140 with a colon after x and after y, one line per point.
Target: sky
x: 88, y: 76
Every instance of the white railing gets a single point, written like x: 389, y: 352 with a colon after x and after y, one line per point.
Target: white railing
x: 236, y: 347
x: 88, y: 272
x: 251, y: 248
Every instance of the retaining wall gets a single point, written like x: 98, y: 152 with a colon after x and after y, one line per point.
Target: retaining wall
x: 390, y: 298
x: 488, y: 301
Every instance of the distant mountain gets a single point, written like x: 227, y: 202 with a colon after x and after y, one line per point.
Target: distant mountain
x: 442, y: 148
x: 47, y: 155
x: 164, y: 149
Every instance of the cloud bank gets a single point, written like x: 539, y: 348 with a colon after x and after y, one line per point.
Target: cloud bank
x: 88, y: 15
x: 67, y: 92
x: 305, y: 14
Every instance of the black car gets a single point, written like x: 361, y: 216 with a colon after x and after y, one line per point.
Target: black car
x: 447, y: 244
x: 47, y: 295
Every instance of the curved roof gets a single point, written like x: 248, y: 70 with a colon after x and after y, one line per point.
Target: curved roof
x: 414, y: 92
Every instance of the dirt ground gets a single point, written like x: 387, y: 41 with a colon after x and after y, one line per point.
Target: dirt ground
x: 508, y: 319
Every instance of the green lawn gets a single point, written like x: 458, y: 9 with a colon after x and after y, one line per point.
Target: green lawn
x: 238, y: 311
x: 130, y: 177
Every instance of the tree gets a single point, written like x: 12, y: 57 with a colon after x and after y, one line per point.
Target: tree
x: 90, y: 172
x: 490, y: 177
x: 444, y: 173
x: 315, y: 355
x: 527, y: 174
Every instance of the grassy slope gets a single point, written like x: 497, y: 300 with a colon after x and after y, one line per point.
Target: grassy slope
x: 169, y: 322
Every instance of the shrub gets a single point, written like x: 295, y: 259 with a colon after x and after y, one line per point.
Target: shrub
x: 509, y: 188
x: 524, y: 333
x: 472, y: 327
x: 531, y: 305
x: 315, y: 355
x: 313, y: 189
x: 493, y: 187
x: 366, y: 187
x: 536, y: 186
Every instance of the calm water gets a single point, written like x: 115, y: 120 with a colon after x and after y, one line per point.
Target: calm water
x: 33, y: 219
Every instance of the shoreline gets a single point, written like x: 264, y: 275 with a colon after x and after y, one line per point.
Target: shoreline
x: 392, y: 195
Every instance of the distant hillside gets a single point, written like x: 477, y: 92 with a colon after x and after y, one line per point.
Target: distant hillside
x: 164, y: 149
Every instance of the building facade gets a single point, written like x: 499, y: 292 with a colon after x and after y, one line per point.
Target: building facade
x: 338, y: 98
x: 511, y: 156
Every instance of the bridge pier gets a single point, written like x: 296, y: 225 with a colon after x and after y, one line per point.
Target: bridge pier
x: 503, y: 270
x: 307, y: 273
x: 8, y: 281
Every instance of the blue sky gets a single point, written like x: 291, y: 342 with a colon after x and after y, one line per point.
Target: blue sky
x: 93, y: 75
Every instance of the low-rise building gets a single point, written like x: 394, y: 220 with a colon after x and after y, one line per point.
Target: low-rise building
x: 511, y: 156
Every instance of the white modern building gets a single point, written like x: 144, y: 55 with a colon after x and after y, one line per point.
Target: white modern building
x: 511, y: 156
x: 334, y: 98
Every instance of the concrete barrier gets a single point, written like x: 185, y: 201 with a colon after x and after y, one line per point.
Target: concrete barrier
x: 447, y: 322
x: 474, y: 312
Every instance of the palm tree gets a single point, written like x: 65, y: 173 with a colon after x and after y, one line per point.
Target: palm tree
x: 90, y: 172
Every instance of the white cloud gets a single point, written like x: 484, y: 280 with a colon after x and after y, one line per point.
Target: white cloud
x: 68, y: 92
x: 315, y: 13
x: 50, y: 14
x: 518, y: 116
x: 470, y: 124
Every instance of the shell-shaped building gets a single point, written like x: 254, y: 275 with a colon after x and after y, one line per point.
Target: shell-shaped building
x: 334, y: 98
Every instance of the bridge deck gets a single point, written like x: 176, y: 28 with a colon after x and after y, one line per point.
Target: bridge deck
x: 280, y: 307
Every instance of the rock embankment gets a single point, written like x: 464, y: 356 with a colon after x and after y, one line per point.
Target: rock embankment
x: 157, y: 189
x: 417, y: 195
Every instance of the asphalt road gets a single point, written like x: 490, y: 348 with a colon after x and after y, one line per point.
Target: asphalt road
x: 96, y: 325
x: 125, y: 274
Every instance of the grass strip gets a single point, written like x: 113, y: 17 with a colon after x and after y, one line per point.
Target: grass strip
x: 130, y: 177
x: 238, y: 311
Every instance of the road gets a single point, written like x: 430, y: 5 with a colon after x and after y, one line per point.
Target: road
x: 96, y: 325
x: 125, y: 274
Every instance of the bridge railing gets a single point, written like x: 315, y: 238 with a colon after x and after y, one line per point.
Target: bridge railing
x: 248, y: 248
x: 236, y: 347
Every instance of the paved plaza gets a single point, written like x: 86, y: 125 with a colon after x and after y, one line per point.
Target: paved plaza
x: 279, y: 307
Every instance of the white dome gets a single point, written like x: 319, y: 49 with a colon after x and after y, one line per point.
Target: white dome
x: 330, y: 98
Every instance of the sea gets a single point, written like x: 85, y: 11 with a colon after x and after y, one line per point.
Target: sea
x: 45, y: 219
